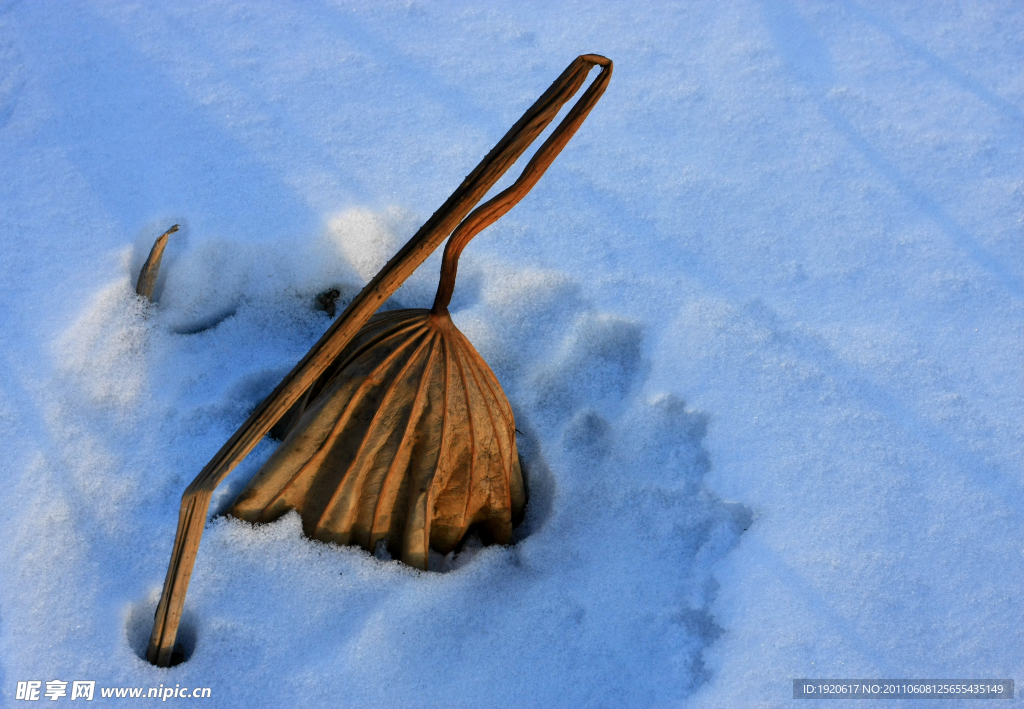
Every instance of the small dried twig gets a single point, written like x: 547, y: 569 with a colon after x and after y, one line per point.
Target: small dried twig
x: 151, y: 269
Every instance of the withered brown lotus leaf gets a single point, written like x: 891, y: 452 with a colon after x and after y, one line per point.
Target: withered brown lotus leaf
x: 409, y: 440
x: 399, y: 432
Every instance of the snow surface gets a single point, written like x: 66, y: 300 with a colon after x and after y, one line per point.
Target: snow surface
x: 761, y: 326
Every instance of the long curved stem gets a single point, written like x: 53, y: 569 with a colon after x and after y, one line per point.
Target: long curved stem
x: 495, y: 208
x: 195, y: 501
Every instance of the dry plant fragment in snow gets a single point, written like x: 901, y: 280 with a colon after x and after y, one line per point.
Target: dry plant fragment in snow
x: 402, y: 432
x: 151, y: 269
x: 411, y: 441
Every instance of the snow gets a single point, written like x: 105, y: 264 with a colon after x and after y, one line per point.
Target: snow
x: 760, y: 324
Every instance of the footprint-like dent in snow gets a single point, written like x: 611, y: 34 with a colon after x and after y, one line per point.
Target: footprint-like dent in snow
x: 588, y: 434
x: 599, y: 365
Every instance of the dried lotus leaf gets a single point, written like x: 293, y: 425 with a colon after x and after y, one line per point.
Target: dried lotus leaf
x: 409, y: 440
